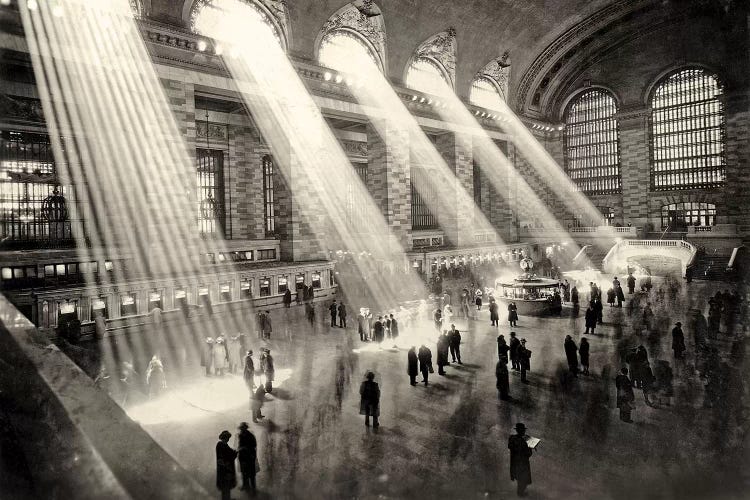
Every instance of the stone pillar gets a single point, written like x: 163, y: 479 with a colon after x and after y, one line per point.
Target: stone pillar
x: 243, y: 173
x: 635, y: 166
x: 456, y: 150
x: 388, y: 178
x: 737, y: 154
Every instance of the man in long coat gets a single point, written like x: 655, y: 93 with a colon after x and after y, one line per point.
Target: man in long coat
x: 524, y: 360
x: 378, y: 330
x: 678, y: 341
x: 502, y: 384
x: 425, y: 362
x: 515, y: 344
x: 625, y: 396
x: 269, y: 371
x: 591, y: 319
x: 571, y: 352
x: 342, y: 315
x: 247, y: 453
x: 226, y: 475
x: 454, y: 342
x: 520, y: 467
x: 412, y: 366
x: 442, y: 353
x: 369, y: 404
x: 249, y: 371
x: 631, y: 283
x: 333, y: 308
x: 502, y: 349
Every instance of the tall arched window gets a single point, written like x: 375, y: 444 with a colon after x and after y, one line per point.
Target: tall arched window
x: 592, y: 152
x: 232, y: 20
x: 269, y: 216
x: 341, y: 49
x: 426, y: 76
x: 687, y: 132
x: 485, y: 93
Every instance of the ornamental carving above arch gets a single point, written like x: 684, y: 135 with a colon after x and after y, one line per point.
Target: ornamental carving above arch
x: 498, y: 70
x: 441, y: 48
x: 273, y: 11
x: 364, y: 18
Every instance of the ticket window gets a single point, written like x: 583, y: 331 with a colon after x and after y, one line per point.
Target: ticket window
x: 299, y: 281
x: 203, y: 295
x: 246, y: 289
x: 180, y: 298
x: 316, y: 280
x: 225, y: 292
x: 99, y: 308
x: 154, y: 301
x: 283, y: 284
x: 265, y: 287
x: 67, y: 311
x: 128, y: 306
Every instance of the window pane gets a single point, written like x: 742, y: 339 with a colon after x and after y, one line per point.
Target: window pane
x: 426, y: 76
x: 485, y: 94
x: 210, y: 171
x: 687, y: 132
x: 268, y: 197
x: 592, y: 153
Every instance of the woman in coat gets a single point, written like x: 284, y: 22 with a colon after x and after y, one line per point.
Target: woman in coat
x: 226, y: 475
x: 412, y: 366
x: 512, y: 314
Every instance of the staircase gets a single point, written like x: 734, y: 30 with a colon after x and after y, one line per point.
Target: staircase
x: 590, y: 257
x: 710, y: 266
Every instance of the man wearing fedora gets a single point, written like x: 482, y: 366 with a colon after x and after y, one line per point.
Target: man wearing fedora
x: 520, y: 468
x: 247, y: 454
x: 370, y: 400
x: 226, y: 476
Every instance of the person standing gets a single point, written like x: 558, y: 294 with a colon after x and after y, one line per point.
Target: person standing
x: 247, y: 454
x: 502, y: 349
x: 226, y: 475
x: 394, y: 329
x: 513, y: 314
x: 412, y: 367
x: 520, y: 466
x: 575, y: 300
x: 248, y: 373
x: 503, y: 384
x: 524, y: 360
x: 378, y: 330
x: 590, y: 319
x: 583, y: 351
x: 342, y: 315
x: 619, y: 294
x: 494, y: 316
x: 454, y: 342
x: 267, y: 328
x: 442, y: 353
x: 333, y: 308
x: 287, y: 298
x: 369, y: 404
x: 478, y: 299
x: 631, y: 284
x: 625, y: 396
x: 571, y: 352
x: 269, y: 371
x: 259, y: 397
x: 219, y: 356
x: 599, y: 309
x: 515, y: 345
x: 425, y: 362
x: 678, y: 341
x: 362, y: 325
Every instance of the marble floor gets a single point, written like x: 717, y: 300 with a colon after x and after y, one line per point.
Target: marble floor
x: 449, y: 439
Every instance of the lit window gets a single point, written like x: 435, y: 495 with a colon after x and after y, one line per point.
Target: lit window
x: 268, y: 196
x: 128, y: 306
x: 355, y: 209
x: 246, y: 287
x: 316, y: 280
x: 108, y: 265
x: 60, y: 269
x: 7, y: 273
x: 678, y: 216
x: 210, y: 191
x: 592, y: 153
x: 98, y: 307
x: 484, y: 93
x: 49, y: 270
x: 212, y: 20
x: 283, y: 284
x: 265, y: 287
x: 687, y: 132
x: 299, y: 281
x: 225, y: 292
x: 342, y: 50
x: 422, y: 199
x: 180, y: 298
x: 425, y: 75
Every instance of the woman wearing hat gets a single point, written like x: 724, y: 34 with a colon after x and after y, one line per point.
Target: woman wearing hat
x: 520, y: 467
x: 226, y: 476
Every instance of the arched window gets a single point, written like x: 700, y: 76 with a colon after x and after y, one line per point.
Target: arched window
x: 687, y: 132
x: 678, y: 216
x: 426, y: 76
x: 341, y: 49
x: 484, y: 93
x: 226, y: 20
x: 592, y: 152
x: 269, y: 216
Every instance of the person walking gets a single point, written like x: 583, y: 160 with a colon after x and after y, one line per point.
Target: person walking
x: 269, y: 371
x: 520, y: 466
x: 226, y: 475
x: 502, y: 384
x: 494, y: 316
x: 678, y: 341
x: 571, y: 352
x: 333, y: 308
x: 515, y: 345
x: 342, y: 315
x: 369, y: 404
x: 583, y: 352
x: 247, y: 455
x: 425, y: 363
x: 502, y: 349
x: 454, y: 342
x: 248, y: 373
x: 590, y: 319
x: 524, y: 360
x: 513, y: 314
x: 412, y: 366
x: 625, y: 396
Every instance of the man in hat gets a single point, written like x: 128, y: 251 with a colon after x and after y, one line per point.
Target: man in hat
x: 249, y: 372
x: 625, y: 396
x: 333, y: 308
x: 502, y: 384
x: 226, y: 476
x: 269, y: 371
x: 520, y: 467
x: 678, y: 341
x: 515, y: 344
x: 454, y: 342
x: 247, y: 453
x: 369, y: 404
x: 524, y: 360
x: 571, y: 353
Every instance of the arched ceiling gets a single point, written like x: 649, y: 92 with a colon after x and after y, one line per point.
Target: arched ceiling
x: 485, y: 29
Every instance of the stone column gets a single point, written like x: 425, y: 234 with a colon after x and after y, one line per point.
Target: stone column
x: 456, y: 150
x: 635, y: 165
x: 388, y: 178
x: 737, y: 154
